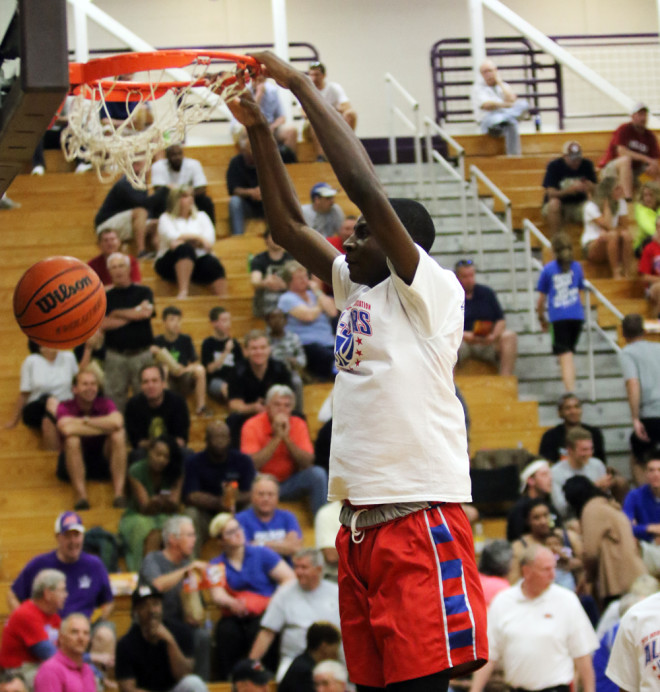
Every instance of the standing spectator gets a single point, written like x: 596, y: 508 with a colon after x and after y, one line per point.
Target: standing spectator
x: 334, y: 94
x: 537, y: 615
x: 323, y: 642
x: 94, y: 440
x: 155, y: 654
x: 646, y: 213
x: 323, y: 214
x: 126, y: 210
x: 177, y: 352
x: 185, y: 245
x: 127, y: 327
x: 649, y: 269
x: 330, y: 676
x: 606, y: 237
x: 266, y: 276
x: 286, y: 347
x: 560, y: 284
x: 217, y: 479
x: 497, y: 109
x: 309, y: 313
x: 175, y: 171
x: 485, y: 336
x: 109, y: 243
x: 155, y: 484
x: 264, y: 523
x: 46, y: 376
x: 220, y: 354
x: 279, y: 444
x: 243, y: 188
x: 155, y: 411
x: 633, y: 150
x: 553, y: 442
x: 66, y: 670
x: 568, y: 182
x: 640, y: 362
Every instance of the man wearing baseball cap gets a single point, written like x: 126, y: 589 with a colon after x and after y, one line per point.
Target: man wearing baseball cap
x: 633, y: 150
x: 250, y: 676
x: 87, y: 579
x: 323, y: 214
x: 568, y: 181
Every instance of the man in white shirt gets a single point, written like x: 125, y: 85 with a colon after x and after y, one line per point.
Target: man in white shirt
x: 539, y: 632
x: 497, y: 109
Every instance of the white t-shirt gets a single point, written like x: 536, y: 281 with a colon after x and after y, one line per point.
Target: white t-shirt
x: 590, y: 212
x: 191, y: 173
x: 594, y: 470
x: 398, y: 432
x: 40, y: 376
x: 482, y: 93
x: 536, y: 640
x: 334, y: 94
x: 634, y: 663
x: 170, y: 228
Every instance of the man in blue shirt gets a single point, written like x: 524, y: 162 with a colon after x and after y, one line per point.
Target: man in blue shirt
x: 265, y: 524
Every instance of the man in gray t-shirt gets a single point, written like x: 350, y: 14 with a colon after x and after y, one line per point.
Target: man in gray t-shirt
x: 323, y: 215
x: 640, y: 362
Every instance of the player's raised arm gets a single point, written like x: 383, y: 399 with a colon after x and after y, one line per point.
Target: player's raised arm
x: 283, y: 212
x: 351, y: 164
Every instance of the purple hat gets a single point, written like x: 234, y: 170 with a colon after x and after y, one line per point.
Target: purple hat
x: 69, y: 521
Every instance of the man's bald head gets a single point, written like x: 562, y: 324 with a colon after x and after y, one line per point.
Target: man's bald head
x: 488, y: 71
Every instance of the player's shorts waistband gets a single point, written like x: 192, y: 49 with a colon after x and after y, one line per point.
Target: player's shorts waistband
x: 556, y: 688
x: 367, y: 518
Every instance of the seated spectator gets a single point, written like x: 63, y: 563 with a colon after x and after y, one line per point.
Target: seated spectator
x: 642, y: 507
x: 323, y: 642
x: 128, y: 334
x: 497, y: 109
x: 220, y: 354
x: 326, y: 528
x: 279, y: 444
x: 606, y: 237
x: 243, y: 187
x: 126, y: 210
x: 343, y: 234
x: 155, y: 484
x: 11, y: 681
x: 175, y: 171
x: 250, y: 676
x: 560, y: 284
x: 155, y: 654
x: 494, y: 566
x: 185, y: 246
x: 155, y: 411
x: 176, y: 352
x: 330, y: 676
x: 323, y: 214
x: 644, y: 586
x: 46, y: 376
x: 646, y: 213
x: 87, y: 581
x: 485, y: 336
x: 633, y: 150
x: 285, y: 346
x: 295, y: 608
x: 252, y: 574
x: 167, y: 569
x: 580, y: 461
x: 264, y: 523
x: 266, y: 276
x: 553, y: 441
x: 113, y: 114
x: 649, y: 269
x: 611, y: 557
x: 30, y: 634
x: 309, y: 313
x: 568, y: 182
x: 93, y: 440
x: 210, y: 477
x: 109, y: 243
x: 67, y: 670
x: 335, y: 95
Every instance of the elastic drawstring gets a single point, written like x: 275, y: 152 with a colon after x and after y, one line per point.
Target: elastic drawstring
x: 357, y: 536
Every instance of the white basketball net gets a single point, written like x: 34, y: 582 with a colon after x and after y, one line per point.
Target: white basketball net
x: 112, y: 147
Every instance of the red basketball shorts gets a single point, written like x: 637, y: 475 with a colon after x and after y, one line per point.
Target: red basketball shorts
x: 410, y: 599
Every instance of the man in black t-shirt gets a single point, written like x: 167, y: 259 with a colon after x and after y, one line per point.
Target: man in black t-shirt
x: 568, y: 182
x: 243, y: 186
x: 155, y: 655
x: 127, y: 327
x: 266, y: 276
x: 220, y: 354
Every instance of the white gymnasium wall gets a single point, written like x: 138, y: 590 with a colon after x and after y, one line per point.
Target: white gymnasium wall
x: 359, y: 40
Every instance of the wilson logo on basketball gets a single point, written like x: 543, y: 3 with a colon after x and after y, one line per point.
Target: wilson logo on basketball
x: 61, y: 294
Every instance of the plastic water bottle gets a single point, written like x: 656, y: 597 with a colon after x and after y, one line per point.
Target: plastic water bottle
x: 537, y: 122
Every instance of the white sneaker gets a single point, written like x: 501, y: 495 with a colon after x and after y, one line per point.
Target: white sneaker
x: 7, y: 203
x: 38, y: 170
x: 83, y: 167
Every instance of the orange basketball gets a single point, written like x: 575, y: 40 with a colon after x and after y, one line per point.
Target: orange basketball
x: 59, y: 302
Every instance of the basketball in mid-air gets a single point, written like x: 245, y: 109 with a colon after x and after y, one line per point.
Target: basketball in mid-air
x: 59, y: 302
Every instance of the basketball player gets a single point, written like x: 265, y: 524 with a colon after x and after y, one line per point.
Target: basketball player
x: 411, y: 606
